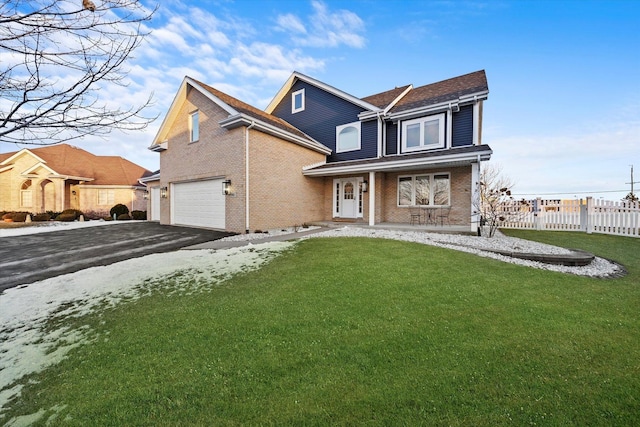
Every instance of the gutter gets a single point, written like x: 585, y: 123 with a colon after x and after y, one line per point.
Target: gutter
x: 246, y: 177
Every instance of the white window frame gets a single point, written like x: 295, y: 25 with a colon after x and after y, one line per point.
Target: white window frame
x: 194, y: 131
x: 107, y: 196
x: 26, y: 194
x: 293, y: 101
x: 431, y: 177
x: 340, y: 128
x: 421, y: 121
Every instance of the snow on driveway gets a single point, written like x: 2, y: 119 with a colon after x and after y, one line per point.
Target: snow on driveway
x: 28, y: 343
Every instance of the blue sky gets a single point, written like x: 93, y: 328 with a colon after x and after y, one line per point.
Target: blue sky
x: 563, y: 114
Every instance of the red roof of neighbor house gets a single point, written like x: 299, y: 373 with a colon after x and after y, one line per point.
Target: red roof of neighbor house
x: 67, y: 160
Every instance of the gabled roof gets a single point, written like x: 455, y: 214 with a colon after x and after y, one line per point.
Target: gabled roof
x: 456, y: 89
x: 317, y: 83
x: 244, y: 108
x: 64, y: 160
x: 240, y: 114
x: 382, y: 100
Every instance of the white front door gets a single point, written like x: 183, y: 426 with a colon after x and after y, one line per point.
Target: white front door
x: 347, y: 196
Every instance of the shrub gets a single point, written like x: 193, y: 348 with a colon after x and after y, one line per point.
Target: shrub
x: 118, y: 210
x: 15, y: 216
x: 91, y: 215
x: 123, y: 217
x: 69, y: 215
x: 42, y: 217
x: 66, y: 217
x: 139, y: 215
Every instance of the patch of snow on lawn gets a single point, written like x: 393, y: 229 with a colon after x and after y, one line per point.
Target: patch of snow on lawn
x: 30, y: 342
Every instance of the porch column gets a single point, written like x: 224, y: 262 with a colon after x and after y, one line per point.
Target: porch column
x: 475, y: 196
x: 372, y: 198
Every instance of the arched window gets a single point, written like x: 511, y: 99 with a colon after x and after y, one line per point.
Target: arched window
x: 26, y: 194
x: 348, y: 137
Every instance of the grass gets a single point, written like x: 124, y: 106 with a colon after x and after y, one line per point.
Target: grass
x: 365, y: 331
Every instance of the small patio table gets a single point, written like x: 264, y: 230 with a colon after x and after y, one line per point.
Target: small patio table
x: 430, y: 216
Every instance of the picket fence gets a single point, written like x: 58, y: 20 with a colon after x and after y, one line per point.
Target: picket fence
x: 588, y: 215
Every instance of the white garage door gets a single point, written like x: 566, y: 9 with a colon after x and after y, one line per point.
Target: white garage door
x: 198, y: 203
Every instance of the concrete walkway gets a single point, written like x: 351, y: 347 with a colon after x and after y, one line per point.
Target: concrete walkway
x: 217, y: 244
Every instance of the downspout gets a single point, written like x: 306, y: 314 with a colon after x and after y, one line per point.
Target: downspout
x: 380, y: 139
x: 246, y: 177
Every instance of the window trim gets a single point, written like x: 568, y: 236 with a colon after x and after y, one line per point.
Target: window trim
x: 196, y: 115
x: 26, y: 194
x: 421, y: 120
x: 110, y: 196
x: 340, y: 128
x: 293, y: 101
x: 431, y: 188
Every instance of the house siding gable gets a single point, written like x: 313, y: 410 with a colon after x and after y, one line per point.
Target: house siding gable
x: 323, y: 112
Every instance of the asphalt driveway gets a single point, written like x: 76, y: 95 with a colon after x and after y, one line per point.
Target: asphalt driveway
x: 29, y: 258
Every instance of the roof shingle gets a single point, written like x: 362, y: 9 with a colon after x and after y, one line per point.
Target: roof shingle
x: 68, y: 160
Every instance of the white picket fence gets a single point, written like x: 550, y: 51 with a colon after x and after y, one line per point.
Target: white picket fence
x: 588, y: 215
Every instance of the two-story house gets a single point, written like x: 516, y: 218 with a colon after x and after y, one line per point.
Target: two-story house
x: 318, y: 153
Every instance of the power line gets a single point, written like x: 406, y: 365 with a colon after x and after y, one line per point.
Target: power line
x: 570, y: 192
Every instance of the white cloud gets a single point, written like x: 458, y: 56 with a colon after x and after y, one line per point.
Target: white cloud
x: 292, y: 23
x: 326, y: 29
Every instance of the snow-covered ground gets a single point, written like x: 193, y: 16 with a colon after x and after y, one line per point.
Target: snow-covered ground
x: 27, y: 346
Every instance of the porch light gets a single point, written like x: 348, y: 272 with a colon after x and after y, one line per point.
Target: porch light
x: 164, y: 192
x: 226, y: 187
x: 145, y: 195
x: 365, y: 186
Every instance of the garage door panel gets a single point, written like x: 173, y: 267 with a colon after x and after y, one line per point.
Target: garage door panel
x: 199, y: 204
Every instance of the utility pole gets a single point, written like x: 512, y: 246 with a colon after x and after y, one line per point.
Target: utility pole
x: 632, y: 194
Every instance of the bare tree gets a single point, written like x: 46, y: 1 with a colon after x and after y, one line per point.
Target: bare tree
x: 57, y: 58
x: 494, y: 202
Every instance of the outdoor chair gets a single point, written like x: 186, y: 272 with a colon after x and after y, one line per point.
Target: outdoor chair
x: 444, y: 216
x: 415, y: 216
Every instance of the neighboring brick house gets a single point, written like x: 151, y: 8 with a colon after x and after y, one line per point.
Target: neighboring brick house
x: 59, y: 177
x: 317, y: 153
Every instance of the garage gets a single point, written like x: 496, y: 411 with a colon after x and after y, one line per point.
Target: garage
x: 198, y: 204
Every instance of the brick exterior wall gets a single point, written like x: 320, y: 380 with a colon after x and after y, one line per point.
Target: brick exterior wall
x: 460, y: 195
x: 219, y: 153
x: 386, y: 187
x: 280, y: 195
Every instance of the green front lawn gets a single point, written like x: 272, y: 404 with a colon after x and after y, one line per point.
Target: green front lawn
x: 353, y: 331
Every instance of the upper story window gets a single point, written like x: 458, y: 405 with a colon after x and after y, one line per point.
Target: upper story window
x: 297, y: 101
x: 348, y: 137
x: 423, y: 133
x: 194, y: 126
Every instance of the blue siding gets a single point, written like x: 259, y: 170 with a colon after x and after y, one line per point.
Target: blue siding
x: 323, y: 112
x: 392, y: 139
x: 463, y: 127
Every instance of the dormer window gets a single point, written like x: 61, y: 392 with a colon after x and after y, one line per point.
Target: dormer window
x: 423, y: 133
x: 348, y: 137
x: 297, y: 101
x: 194, y: 126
